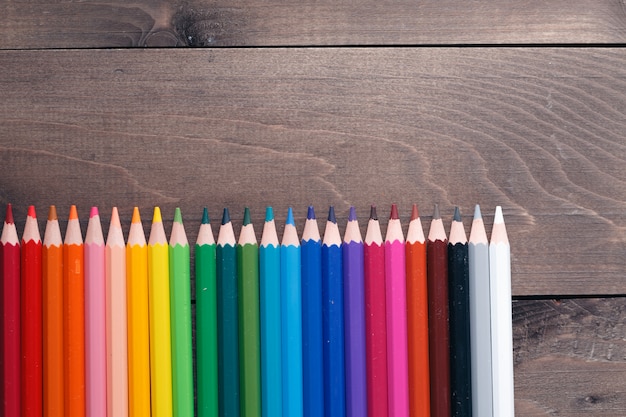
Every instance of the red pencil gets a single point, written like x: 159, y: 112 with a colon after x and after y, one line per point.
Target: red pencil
x: 32, y: 337
x: 438, y: 332
x: 417, y: 317
x: 375, y: 319
x: 10, y: 363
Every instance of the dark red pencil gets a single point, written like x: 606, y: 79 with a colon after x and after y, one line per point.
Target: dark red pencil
x: 438, y: 332
x: 10, y: 343
x: 32, y: 339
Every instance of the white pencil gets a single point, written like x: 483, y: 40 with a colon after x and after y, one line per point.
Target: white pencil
x: 501, y: 318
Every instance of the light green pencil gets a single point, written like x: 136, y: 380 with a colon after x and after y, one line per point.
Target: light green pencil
x: 180, y: 313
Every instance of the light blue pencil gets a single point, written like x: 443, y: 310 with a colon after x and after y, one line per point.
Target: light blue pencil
x: 291, y: 296
x: 269, y: 274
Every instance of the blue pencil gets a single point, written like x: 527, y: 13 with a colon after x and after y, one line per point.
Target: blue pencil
x: 354, y: 316
x: 291, y: 296
x: 312, y: 346
x: 332, y: 320
x: 269, y: 274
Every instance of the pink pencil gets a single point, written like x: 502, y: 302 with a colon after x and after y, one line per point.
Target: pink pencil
x: 397, y: 348
x: 95, y: 318
x: 116, y: 329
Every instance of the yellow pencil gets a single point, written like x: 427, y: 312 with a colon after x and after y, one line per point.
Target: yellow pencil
x: 138, y: 327
x: 159, y: 307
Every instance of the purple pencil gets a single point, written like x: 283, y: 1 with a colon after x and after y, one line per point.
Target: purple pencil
x: 354, y: 318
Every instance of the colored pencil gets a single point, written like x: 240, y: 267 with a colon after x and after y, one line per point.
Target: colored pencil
x: 312, y: 346
x: 354, y: 317
x: 137, y: 287
x: 160, y: 328
x: 332, y: 319
x: 269, y: 283
x: 397, y: 345
x: 227, y: 320
x: 95, y: 318
x: 459, y: 312
x: 116, y: 320
x: 438, y: 336
x: 10, y: 363
x: 376, y: 318
x: 417, y: 318
x: 480, y: 318
x: 52, y: 265
x: 501, y: 318
x: 291, y: 311
x: 206, y: 320
x: 31, y: 320
x: 74, y: 318
x: 249, y: 324
x: 180, y: 319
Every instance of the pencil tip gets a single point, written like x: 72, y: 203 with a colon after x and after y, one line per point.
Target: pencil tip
x: 205, y: 216
x: 477, y: 213
x: 394, y: 212
x: 457, y: 214
x: 115, y: 217
x: 8, y: 218
x: 178, y: 216
x: 499, y: 218
x: 93, y: 212
x: 136, y: 217
x: 373, y: 214
x: 352, y: 214
x: 269, y: 214
x: 225, y: 216
x: 52, y: 213
x: 290, y: 219
x: 156, y: 218
x: 31, y: 212
x: 436, y: 215
x: 414, y: 213
x: 310, y: 215
x: 331, y: 215
x: 246, y: 216
x: 73, y: 213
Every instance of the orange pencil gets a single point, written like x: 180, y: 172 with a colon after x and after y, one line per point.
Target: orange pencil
x: 417, y: 317
x: 52, y: 263
x: 74, y: 318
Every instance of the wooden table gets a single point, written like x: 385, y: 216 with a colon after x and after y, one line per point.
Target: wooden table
x: 519, y: 104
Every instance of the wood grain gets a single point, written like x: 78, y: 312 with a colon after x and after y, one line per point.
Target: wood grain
x: 570, y: 357
x: 538, y: 131
x: 138, y: 23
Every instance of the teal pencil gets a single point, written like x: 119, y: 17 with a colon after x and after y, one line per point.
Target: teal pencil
x: 206, y: 320
x: 227, y: 320
x: 271, y: 356
x: 291, y: 296
x: 249, y: 325
x: 180, y: 311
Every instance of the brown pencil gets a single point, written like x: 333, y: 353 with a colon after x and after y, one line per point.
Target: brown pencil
x: 439, y: 338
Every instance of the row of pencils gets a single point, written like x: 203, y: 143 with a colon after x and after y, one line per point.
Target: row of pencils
x: 298, y: 327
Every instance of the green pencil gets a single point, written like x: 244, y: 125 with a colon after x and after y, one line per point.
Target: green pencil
x: 180, y: 315
x: 249, y: 324
x: 206, y: 321
x: 227, y: 320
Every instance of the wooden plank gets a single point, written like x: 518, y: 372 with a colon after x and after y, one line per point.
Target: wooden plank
x: 570, y: 357
x: 538, y: 131
x: 139, y: 23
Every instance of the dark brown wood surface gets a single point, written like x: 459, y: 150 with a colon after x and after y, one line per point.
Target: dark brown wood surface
x: 570, y: 357
x: 119, y: 23
x: 538, y: 131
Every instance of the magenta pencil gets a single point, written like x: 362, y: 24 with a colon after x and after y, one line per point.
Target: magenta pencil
x: 397, y: 350
x: 95, y: 318
x: 375, y: 318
